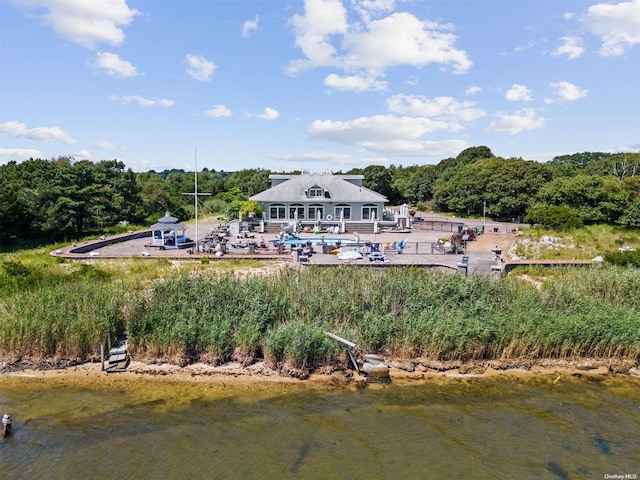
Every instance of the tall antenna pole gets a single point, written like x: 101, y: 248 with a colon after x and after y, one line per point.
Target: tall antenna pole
x: 195, y: 195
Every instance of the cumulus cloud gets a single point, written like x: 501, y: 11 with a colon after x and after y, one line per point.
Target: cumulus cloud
x: 87, y: 23
x: 617, y: 25
x: 268, y: 114
x: 52, y: 134
x: 322, y: 19
x: 378, y: 128
x: 249, y: 26
x: 387, y: 134
x: 572, y: 47
x: 472, y: 90
x: 354, y: 83
x: 518, y: 93
x: 522, y: 120
x: 82, y: 154
x: 403, y: 39
x: 218, y: 111
x: 568, y: 92
x: 200, y: 68
x: 444, y: 108
x: 20, y: 153
x: 368, y: 9
x: 142, y: 101
x: 327, y: 39
x: 114, y: 66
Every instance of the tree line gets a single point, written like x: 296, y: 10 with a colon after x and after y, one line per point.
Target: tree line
x: 63, y: 199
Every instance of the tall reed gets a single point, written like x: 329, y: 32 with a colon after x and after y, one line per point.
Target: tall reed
x: 214, y: 315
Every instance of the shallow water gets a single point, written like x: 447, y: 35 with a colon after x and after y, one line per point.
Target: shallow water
x: 505, y: 427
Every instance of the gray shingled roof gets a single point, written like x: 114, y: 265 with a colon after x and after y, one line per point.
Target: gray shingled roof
x: 341, y: 190
x: 167, y: 222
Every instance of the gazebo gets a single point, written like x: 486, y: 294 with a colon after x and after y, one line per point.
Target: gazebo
x: 168, y: 233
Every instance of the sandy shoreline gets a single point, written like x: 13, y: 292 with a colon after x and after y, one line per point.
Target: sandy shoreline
x: 399, y: 372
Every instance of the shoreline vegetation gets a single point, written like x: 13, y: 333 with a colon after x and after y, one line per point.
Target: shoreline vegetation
x: 400, y: 372
x: 207, y: 322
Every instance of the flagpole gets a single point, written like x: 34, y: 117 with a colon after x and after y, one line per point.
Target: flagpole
x: 195, y: 197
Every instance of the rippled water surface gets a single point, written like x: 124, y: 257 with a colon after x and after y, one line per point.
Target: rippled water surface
x: 506, y: 427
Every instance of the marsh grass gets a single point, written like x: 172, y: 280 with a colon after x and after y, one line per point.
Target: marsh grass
x: 211, y: 313
x: 401, y: 312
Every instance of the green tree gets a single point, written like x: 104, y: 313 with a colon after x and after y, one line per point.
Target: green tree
x: 378, y: 178
x: 155, y: 196
x: 508, y: 186
x: 595, y: 199
x: 421, y: 184
x: 250, y: 182
x: 631, y: 216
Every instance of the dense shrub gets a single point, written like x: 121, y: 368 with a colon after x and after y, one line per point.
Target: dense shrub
x: 624, y: 258
x: 561, y: 218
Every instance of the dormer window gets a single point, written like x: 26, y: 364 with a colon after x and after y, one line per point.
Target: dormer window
x: 315, y: 192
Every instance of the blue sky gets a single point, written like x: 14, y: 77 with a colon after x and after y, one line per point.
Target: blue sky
x: 315, y: 84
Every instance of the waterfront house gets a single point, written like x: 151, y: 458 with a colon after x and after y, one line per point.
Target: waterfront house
x: 323, y: 199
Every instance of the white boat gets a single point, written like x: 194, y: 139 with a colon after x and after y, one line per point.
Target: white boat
x: 348, y: 254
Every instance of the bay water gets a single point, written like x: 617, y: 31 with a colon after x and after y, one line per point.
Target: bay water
x: 503, y: 427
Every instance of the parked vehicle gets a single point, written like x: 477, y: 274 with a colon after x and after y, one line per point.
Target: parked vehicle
x: 377, y: 257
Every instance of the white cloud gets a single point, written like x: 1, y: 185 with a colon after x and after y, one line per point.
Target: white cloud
x: 20, y: 153
x: 372, y: 8
x: 354, y: 83
x: 528, y: 46
x: 472, y: 90
x: 518, y: 93
x: 300, y: 161
x: 106, y: 145
x: 387, y: 134
x: 419, y: 148
x: 412, y: 80
x: 444, y: 108
x: 403, y: 39
x: 321, y: 20
x: 572, y: 47
x: 525, y: 119
x: 53, y: 134
x: 142, y: 101
x: 312, y: 157
x: 617, y: 25
x: 200, y: 68
x: 218, y: 111
x: 114, y: 66
x: 249, y: 26
x: 82, y: 154
x: 84, y: 22
x: 268, y: 114
x: 379, y: 128
x: 327, y: 39
x: 568, y: 91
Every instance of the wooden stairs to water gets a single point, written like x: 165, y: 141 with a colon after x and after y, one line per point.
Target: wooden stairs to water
x: 118, y: 357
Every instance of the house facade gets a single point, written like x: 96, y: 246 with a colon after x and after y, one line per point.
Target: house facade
x: 313, y: 198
